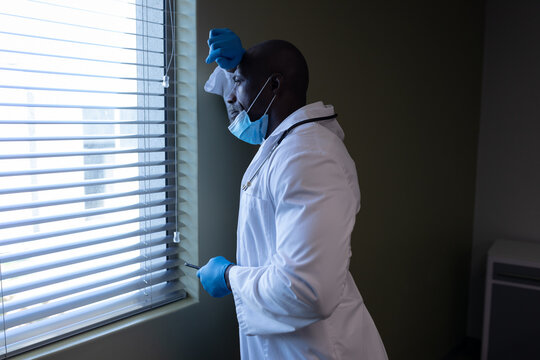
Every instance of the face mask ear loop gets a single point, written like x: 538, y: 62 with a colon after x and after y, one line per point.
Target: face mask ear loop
x: 256, y: 97
x: 265, y: 111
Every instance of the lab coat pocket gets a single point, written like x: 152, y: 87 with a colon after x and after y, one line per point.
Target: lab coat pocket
x: 256, y: 230
x: 255, y: 188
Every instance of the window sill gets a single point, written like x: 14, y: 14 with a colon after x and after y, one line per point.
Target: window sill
x: 105, y: 330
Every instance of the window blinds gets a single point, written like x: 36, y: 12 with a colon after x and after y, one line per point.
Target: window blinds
x: 87, y: 165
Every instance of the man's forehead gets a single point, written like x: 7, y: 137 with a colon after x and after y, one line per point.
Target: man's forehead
x: 249, y: 68
x: 241, y: 71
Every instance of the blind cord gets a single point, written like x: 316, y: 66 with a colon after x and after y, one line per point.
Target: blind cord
x: 165, y: 81
x: 3, y: 329
x: 172, y: 10
x: 146, y: 279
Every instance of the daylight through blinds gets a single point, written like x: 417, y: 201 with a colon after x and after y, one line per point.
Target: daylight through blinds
x: 87, y: 165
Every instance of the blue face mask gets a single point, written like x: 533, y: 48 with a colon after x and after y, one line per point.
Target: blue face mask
x: 252, y: 132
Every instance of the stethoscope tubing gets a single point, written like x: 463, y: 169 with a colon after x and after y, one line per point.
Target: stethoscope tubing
x: 285, y: 133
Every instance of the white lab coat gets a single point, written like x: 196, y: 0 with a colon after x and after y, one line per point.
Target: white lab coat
x: 294, y: 295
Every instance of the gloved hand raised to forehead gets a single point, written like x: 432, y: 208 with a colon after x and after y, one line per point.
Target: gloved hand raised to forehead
x: 225, y: 48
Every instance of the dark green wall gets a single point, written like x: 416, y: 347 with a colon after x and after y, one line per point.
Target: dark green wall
x: 404, y: 77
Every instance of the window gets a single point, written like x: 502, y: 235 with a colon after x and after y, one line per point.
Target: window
x: 88, y: 165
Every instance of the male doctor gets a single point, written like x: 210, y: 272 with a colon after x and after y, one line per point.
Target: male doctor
x: 294, y: 295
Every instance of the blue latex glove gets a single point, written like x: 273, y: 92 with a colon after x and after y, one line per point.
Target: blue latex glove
x: 225, y: 48
x: 212, y: 276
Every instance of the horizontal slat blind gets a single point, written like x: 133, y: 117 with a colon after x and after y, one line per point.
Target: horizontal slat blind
x: 88, y: 166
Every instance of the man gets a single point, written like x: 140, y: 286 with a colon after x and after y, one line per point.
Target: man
x: 294, y: 295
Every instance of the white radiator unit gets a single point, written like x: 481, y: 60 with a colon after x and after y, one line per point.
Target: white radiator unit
x: 512, y: 302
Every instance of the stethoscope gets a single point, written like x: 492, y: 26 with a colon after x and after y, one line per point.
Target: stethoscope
x: 285, y: 133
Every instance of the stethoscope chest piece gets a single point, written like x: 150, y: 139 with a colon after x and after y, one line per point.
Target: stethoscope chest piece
x: 246, y: 185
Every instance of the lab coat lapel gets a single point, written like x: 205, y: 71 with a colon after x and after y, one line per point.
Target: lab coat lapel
x: 317, y: 109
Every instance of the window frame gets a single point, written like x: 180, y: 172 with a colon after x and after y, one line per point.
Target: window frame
x: 186, y: 191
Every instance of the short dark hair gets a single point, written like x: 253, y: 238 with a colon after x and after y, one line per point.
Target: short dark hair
x: 278, y: 56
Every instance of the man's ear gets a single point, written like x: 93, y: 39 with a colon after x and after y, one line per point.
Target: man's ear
x: 276, y: 82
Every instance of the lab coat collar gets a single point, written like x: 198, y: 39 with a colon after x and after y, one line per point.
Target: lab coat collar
x: 310, y: 111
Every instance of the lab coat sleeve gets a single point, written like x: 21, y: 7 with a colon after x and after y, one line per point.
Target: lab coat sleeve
x: 315, y: 209
x: 220, y: 82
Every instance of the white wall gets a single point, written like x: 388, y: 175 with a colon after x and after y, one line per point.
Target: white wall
x: 508, y: 170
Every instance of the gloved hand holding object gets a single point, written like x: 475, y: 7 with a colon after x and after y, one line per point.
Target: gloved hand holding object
x: 225, y: 48
x: 212, y: 276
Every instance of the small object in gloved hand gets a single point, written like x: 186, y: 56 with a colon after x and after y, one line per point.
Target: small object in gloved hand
x: 192, y: 266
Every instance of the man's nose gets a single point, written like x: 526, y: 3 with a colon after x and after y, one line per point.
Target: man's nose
x: 231, y: 97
